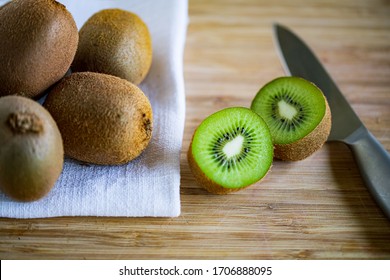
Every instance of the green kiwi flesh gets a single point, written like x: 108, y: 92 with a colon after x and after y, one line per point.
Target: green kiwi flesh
x: 297, y: 114
x: 38, y: 41
x: 31, y: 149
x: 103, y: 119
x: 230, y: 150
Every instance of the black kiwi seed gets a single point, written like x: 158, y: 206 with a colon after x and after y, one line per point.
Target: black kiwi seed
x: 291, y: 124
x: 216, y: 148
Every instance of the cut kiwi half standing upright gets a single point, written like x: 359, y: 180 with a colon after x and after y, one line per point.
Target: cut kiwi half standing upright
x: 230, y: 150
x: 297, y: 114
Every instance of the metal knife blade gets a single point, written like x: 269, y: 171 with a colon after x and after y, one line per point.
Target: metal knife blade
x: 372, y: 159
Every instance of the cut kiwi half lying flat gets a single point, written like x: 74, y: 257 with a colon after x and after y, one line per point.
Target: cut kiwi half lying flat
x: 230, y: 150
x: 297, y: 114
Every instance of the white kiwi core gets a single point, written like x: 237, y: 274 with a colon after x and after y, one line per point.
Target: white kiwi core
x: 286, y: 110
x: 234, y: 147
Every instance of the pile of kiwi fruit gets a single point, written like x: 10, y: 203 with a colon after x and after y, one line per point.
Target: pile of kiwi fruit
x: 289, y: 119
x: 93, y: 111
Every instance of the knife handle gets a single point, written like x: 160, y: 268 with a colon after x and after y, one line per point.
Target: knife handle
x: 374, y: 164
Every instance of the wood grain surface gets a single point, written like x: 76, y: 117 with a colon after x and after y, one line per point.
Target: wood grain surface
x: 318, y: 208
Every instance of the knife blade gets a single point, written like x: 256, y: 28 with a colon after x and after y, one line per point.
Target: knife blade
x: 371, y: 157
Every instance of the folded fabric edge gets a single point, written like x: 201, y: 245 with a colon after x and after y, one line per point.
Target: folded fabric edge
x: 179, y: 62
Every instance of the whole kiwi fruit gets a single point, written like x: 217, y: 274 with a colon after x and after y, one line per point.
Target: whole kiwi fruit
x: 230, y: 150
x: 103, y: 119
x: 115, y: 42
x: 31, y: 150
x: 297, y: 114
x: 38, y: 41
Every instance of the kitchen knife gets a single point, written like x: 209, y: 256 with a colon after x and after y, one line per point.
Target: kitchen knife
x: 372, y: 159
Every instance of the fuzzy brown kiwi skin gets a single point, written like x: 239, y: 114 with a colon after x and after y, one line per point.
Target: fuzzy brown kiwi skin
x: 38, y: 41
x: 205, y: 182
x: 103, y: 119
x: 31, y: 149
x: 308, y: 145
x: 4, y: 4
x: 115, y: 42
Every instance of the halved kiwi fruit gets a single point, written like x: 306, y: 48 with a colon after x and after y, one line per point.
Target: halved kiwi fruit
x: 230, y: 150
x: 297, y: 114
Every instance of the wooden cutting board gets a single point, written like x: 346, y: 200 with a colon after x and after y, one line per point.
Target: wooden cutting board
x: 318, y: 208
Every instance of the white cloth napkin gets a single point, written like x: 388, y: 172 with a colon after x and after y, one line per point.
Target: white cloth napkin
x: 149, y: 185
